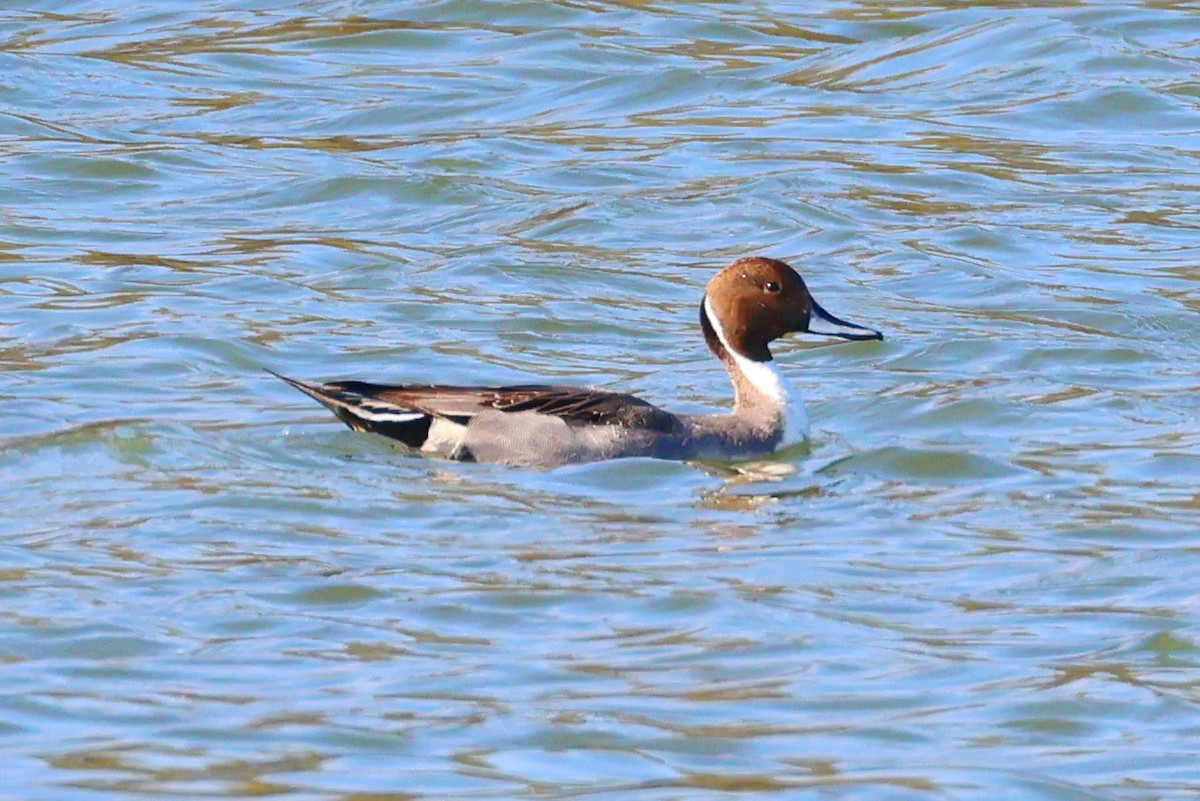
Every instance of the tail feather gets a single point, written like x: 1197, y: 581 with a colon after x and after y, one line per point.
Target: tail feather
x: 363, y: 413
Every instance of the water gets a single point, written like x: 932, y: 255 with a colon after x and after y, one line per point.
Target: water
x: 979, y: 582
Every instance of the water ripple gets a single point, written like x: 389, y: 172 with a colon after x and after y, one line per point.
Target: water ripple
x: 974, y: 583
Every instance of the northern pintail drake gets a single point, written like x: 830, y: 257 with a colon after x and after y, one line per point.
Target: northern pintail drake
x: 746, y: 306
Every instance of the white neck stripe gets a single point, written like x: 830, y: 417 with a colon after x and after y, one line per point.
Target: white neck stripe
x: 767, y: 379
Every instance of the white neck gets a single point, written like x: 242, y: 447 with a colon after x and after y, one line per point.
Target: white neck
x: 767, y: 378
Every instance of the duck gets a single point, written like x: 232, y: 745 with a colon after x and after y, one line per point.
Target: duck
x: 745, y: 307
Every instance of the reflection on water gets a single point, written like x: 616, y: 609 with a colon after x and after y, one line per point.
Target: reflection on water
x: 974, y: 583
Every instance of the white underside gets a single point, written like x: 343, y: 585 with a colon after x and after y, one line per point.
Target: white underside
x: 444, y: 438
x: 769, y: 380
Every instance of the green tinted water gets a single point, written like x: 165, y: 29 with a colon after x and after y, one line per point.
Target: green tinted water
x: 978, y: 582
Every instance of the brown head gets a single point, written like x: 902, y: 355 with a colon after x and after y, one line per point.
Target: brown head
x: 755, y: 301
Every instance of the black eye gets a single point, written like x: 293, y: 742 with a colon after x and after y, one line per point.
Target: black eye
x: 771, y: 287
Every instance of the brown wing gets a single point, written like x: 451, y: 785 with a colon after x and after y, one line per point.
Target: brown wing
x: 575, y: 405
